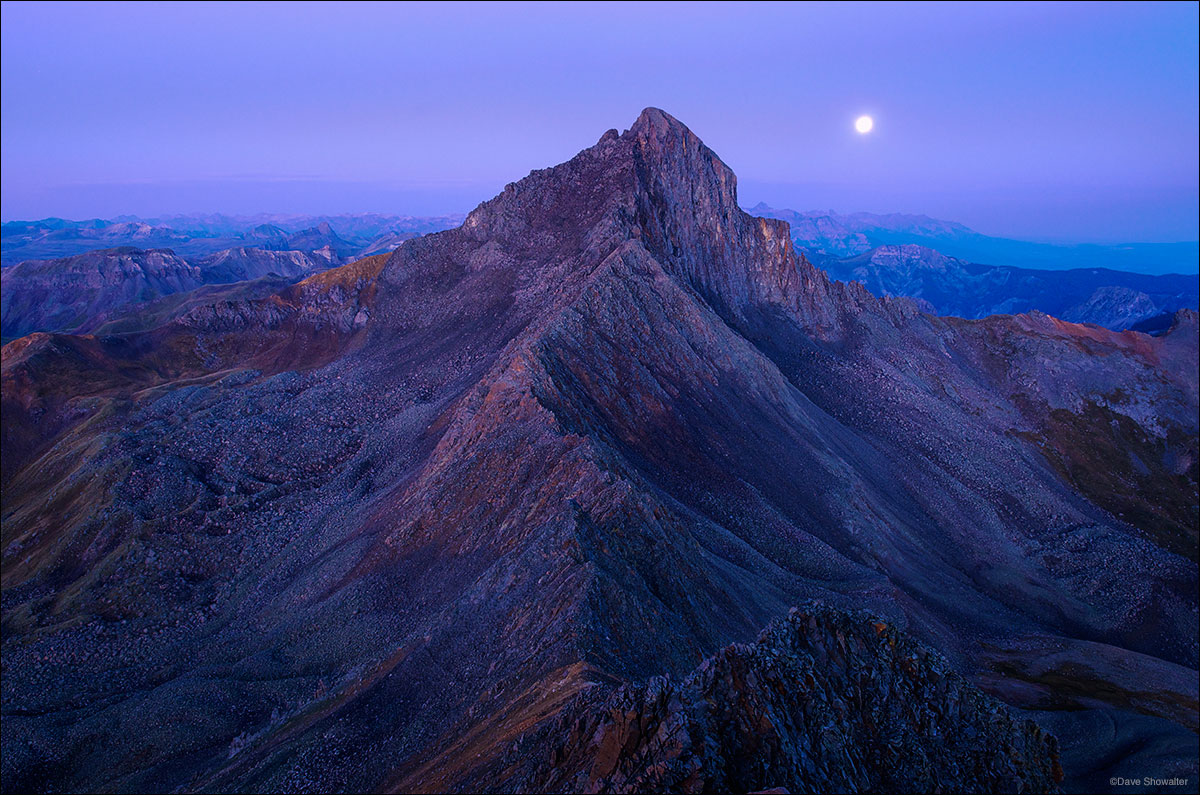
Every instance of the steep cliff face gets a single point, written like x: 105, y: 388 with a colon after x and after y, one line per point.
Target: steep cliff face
x: 687, y: 209
x: 373, y: 530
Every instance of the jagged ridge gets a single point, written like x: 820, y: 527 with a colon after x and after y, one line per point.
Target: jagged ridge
x: 821, y: 701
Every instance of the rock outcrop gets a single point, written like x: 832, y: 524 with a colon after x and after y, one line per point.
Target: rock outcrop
x: 822, y: 701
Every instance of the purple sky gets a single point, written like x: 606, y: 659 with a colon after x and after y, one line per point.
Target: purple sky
x: 1055, y: 122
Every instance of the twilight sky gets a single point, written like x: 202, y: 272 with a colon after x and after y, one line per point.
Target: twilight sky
x: 1051, y: 122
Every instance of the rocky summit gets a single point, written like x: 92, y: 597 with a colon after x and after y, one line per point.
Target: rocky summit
x: 509, y: 508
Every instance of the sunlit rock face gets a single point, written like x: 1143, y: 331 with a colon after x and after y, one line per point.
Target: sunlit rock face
x: 378, y: 529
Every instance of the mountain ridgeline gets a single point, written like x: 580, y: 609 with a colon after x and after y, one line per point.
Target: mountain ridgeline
x: 510, y: 507
x: 195, y: 236
x: 85, y: 291
x: 79, y: 293
x: 119, y: 271
x: 826, y: 234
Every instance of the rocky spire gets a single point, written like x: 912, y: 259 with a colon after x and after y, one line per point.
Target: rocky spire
x: 658, y: 184
x: 689, y: 216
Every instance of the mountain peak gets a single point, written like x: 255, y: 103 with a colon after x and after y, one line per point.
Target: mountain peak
x: 659, y: 185
x: 603, y: 430
x: 656, y: 132
x: 690, y: 220
x: 656, y: 119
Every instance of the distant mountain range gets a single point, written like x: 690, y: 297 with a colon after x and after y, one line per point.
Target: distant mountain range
x: 196, y: 236
x: 83, y: 291
x: 825, y: 234
x: 73, y: 276
x: 61, y: 295
x: 72, y: 293
x: 948, y: 286
x: 819, y: 234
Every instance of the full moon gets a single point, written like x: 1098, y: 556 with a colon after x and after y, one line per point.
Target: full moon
x: 864, y: 124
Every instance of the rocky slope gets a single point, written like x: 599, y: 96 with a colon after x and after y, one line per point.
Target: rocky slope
x: 372, y: 531
x: 83, y: 292
x: 161, y: 311
x: 822, y: 701
x: 1120, y: 308
x: 949, y: 286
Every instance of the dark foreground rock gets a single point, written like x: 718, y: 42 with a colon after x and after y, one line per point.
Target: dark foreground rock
x: 822, y: 701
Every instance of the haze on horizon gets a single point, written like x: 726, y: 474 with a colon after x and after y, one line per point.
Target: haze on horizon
x: 1069, y: 121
